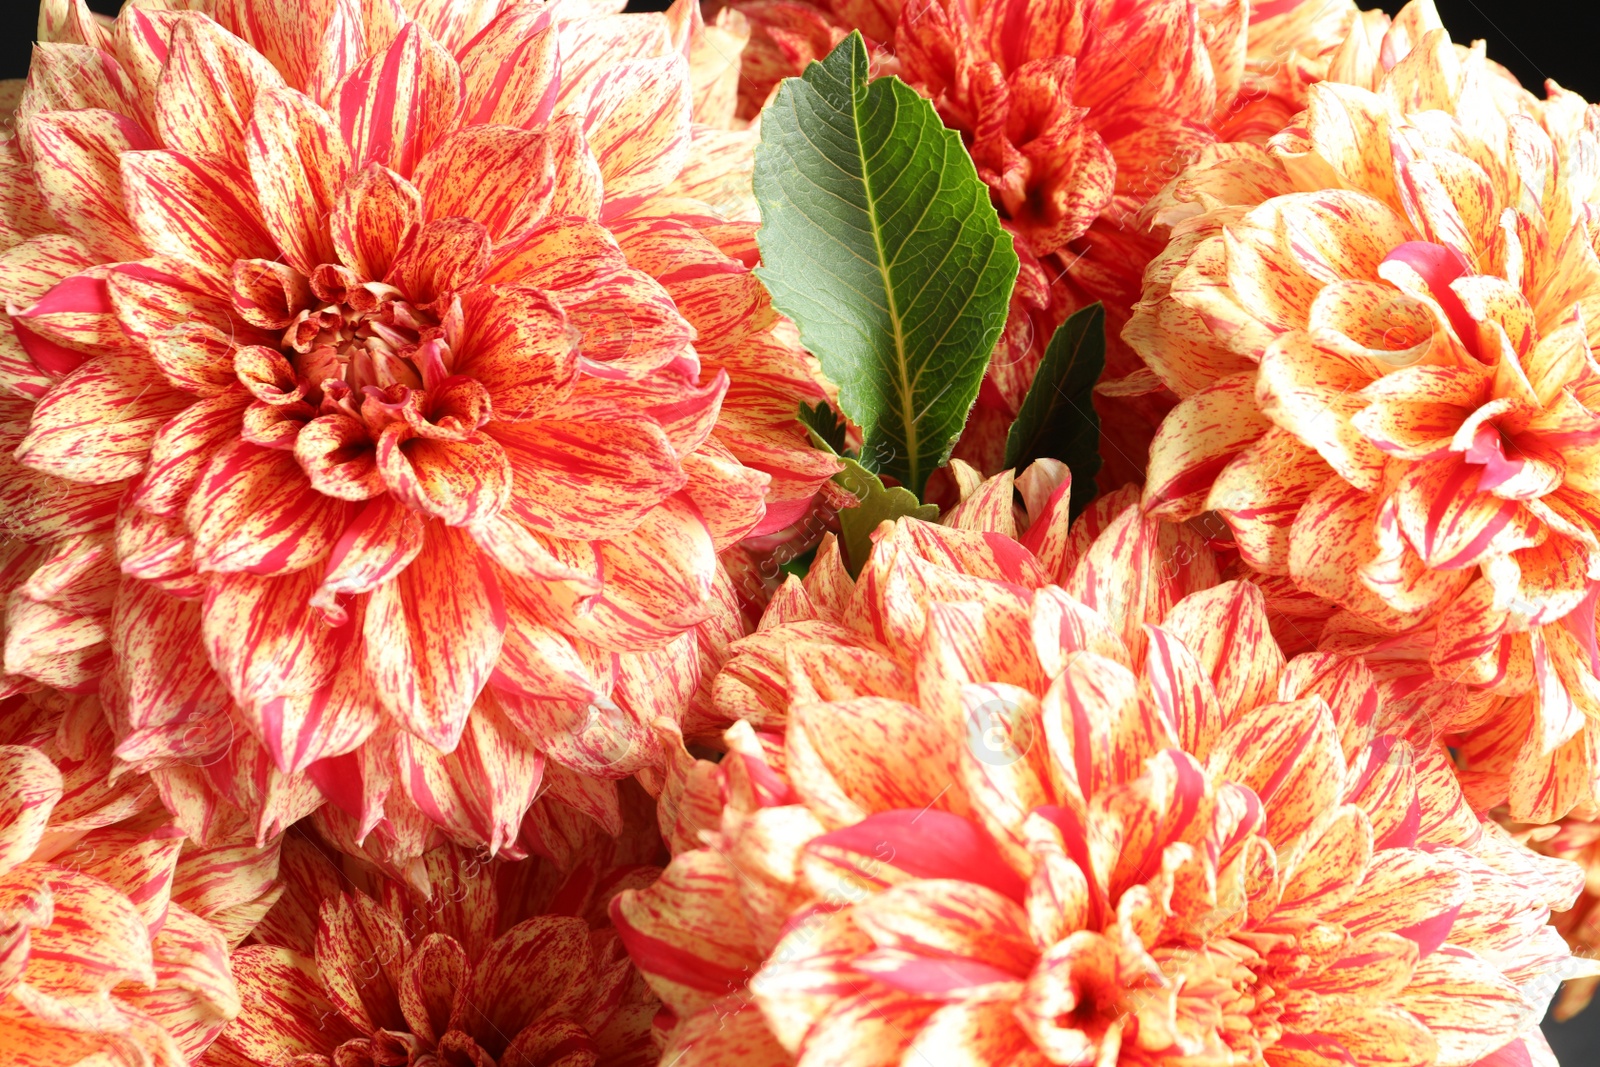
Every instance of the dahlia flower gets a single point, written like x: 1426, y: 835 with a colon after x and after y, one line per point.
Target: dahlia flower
x: 116, y: 930
x: 1378, y: 325
x: 1289, y: 46
x: 362, y: 374
x: 1065, y: 121
x: 502, y: 962
x: 1099, y: 822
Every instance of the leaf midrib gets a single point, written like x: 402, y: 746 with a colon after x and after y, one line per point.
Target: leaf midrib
x: 902, y: 364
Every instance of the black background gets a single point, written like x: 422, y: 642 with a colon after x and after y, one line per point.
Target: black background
x: 1536, y: 41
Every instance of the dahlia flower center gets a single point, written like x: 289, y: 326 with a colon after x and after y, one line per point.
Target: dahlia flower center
x: 360, y: 334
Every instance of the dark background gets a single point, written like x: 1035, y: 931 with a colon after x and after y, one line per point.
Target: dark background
x: 1536, y: 41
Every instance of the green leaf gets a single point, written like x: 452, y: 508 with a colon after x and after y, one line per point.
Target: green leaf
x: 875, y: 503
x: 823, y: 421
x: 1057, y: 419
x: 879, y: 241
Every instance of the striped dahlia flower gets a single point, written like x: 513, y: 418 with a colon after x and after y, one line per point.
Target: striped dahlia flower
x: 1075, y: 113
x: 999, y: 820
x: 114, y: 930
x: 362, y: 375
x: 1380, y: 328
x: 490, y: 962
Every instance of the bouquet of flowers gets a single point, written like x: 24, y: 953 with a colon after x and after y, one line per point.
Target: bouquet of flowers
x: 853, y: 532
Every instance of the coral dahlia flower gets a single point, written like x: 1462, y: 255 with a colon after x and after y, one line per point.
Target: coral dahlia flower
x: 1099, y: 822
x: 1380, y: 326
x: 355, y: 387
x: 1075, y: 112
x: 115, y: 931
x: 494, y: 962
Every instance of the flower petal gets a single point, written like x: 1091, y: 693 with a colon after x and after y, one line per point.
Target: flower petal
x: 656, y: 581
x: 1195, y: 443
x: 376, y: 215
x: 77, y: 168
x: 512, y: 70
x: 517, y: 342
x: 479, y: 792
x: 399, y: 103
x: 208, y: 89
x: 254, y: 510
x: 204, y: 211
x: 636, y: 120
x: 588, y: 480
x: 299, y: 164
x: 182, y: 315
x: 496, y: 175
x: 459, y: 482
x: 97, y: 424
x: 31, y: 787
x: 433, y: 635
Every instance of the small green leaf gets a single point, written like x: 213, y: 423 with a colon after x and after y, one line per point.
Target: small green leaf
x: 879, y: 240
x: 1057, y: 419
x: 823, y: 421
x: 875, y: 503
x: 874, y: 500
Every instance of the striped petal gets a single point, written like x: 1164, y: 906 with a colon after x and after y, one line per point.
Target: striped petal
x: 636, y: 120
x: 553, y: 951
x: 398, y: 104
x: 265, y: 640
x: 1313, y: 393
x: 168, y: 696
x: 286, y: 1009
x: 1289, y: 755
x: 361, y: 949
x: 443, y: 258
x: 77, y: 157
x: 42, y: 506
x: 1227, y: 630
x: 434, y: 982
x: 97, y: 424
x: 831, y: 760
x: 501, y: 177
x: 433, y: 635
x: 1196, y: 441
x: 311, y: 46
x: 459, y: 482
x: 586, y: 479
x: 207, y: 91
x: 1099, y: 728
x: 1451, y: 523
x: 96, y: 940
x: 379, y: 542
x: 181, y: 314
x: 298, y: 162
x: 479, y: 792
x: 517, y: 342
x: 203, y: 211
x: 1469, y: 1007
x: 511, y: 71
x: 657, y: 580
x: 377, y: 214
x: 32, y: 788
x: 254, y: 510
x: 195, y: 995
